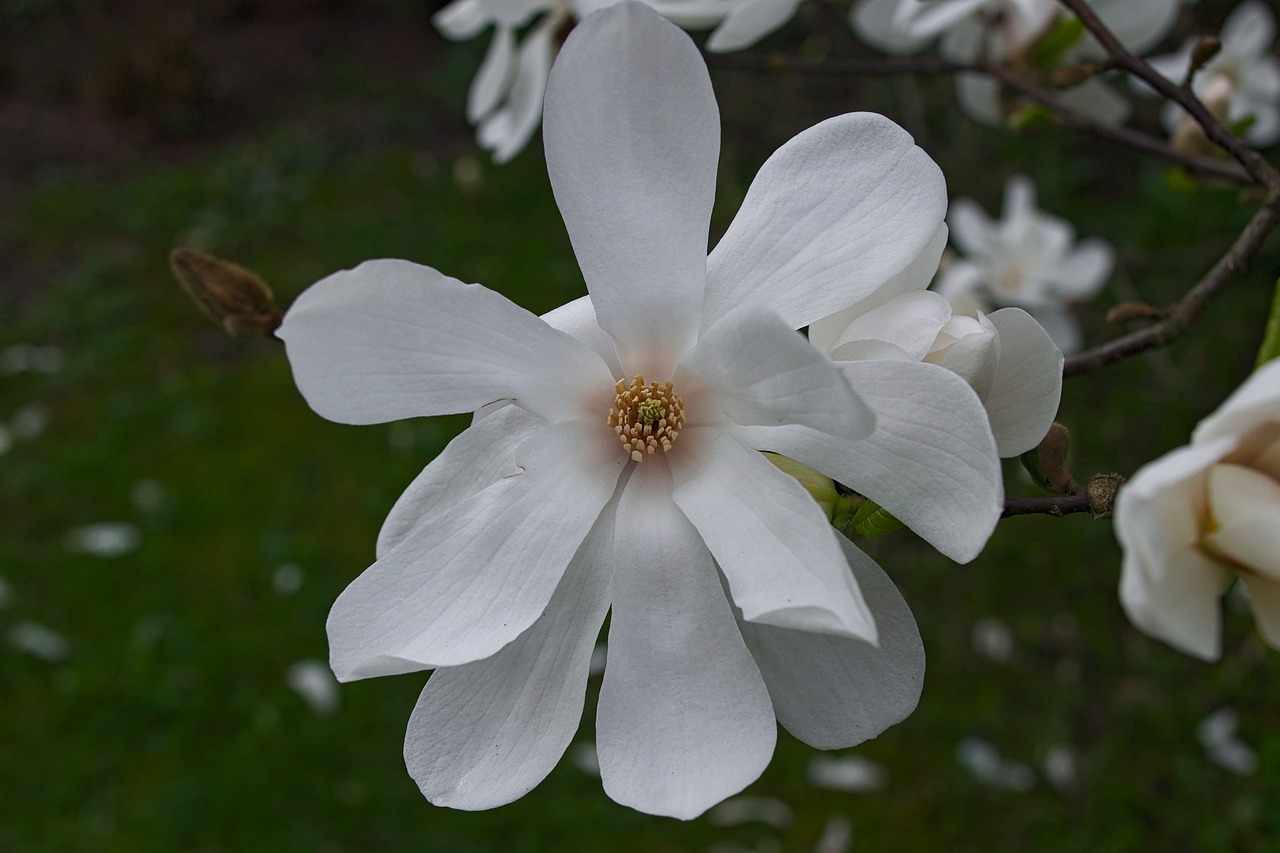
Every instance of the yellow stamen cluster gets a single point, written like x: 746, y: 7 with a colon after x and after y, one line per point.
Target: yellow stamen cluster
x: 646, y: 417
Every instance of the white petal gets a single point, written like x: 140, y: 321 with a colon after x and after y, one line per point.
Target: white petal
x: 1245, y: 504
x: 971, y: 229
x: 392, y: 339
x: 1255, y: 403
x: 911, y: 322
x: 969, y: 348
x: 1138, y: 25
x: 1027, y: 387
x: 461, y: 19
x: 485, y: 733
x: 979, y: 98
x: 749, y: 22
x: 931, y: 19
x: 1085, y: 269
x: 876, y: 23
x: 469, y: 580
x: 476, y: 459
x: 492, y: 79
x: 1249, y: 30
x: 832, y: 692
x: 509, y: 130
x: 931, y: 461
x: 761, y: 372
x: 958, y: 284
x: 632, y: 138
x: 1061, y: 326
x: 834, y: 214
x: 1264, y: 599
x: 684, y: 719
x: 577, y: 319
x: 776, y: 547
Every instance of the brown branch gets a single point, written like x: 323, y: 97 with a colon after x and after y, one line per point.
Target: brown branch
x: 1058, y: 505
x: 1177, y: 317
x: 882, y: 67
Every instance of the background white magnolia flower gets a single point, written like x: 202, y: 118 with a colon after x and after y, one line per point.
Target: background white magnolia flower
x: 1241, y: 83
x: 1028, y: 259
x: 1007, y: 358
x: 498, y: 564
x: 504, y: 100
x: 1194, y: 518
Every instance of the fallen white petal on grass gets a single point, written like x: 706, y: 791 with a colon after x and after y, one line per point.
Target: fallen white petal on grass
x: 981, y: 758
x: 287, y: 579
x: 29, y: 421
x: 848, y: 773
x: 105, y: 539
x: 39, y: 641
x: 992, y: 639
x: 837, y: 835
x: 739, y: 810
x: 314, y: 682
x: 1217, y: 734
x: 20, y: 358
x: 1059, y: 768
x: 584, y: 757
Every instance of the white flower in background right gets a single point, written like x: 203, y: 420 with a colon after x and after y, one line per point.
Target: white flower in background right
x: 1204, y: 513
x: 1028, y: 259
x: 1239, y: 85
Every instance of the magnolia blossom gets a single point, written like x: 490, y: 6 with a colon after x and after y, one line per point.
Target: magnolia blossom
x: 1028, y: 259
x: 504, y: 101
x: 1207, y: 512
x: 1241, y: 83
x: 612, y: 463
x: 1007, y: 358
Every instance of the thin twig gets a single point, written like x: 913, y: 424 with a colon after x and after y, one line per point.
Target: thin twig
x: 1059, y: 505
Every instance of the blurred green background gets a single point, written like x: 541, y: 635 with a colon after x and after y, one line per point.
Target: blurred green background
x: 145, y: 666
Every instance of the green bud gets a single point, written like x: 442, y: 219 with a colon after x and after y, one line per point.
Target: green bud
x: 823, y: 489
x: 873, y: 520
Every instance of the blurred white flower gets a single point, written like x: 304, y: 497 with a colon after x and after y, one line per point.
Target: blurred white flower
x: 498, y: 564
x: 740, y: 810
x: 1006, y: 358
x: 287, y: 579
x: 1027, y: 259
x: 981, y: 758
x: 847, y: 773
x: 1195, y: 517
x: 19, y: 358
x: 837, y: 835
x: 39, y: 640
x: 1217, y: 734
x: 992, y: 639
x: 314, y: 682
x: 1241, y: 83
x: 104, y: 539
x: 29, y: 421
x: 1059, y: 768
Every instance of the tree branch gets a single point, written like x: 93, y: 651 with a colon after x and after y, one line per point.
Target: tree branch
x: 1059, y: 505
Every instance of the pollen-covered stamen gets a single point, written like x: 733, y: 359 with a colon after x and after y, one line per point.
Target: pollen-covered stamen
x: 646, y: 417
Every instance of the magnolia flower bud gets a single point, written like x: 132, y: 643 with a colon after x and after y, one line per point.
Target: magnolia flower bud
x: 231, y: 295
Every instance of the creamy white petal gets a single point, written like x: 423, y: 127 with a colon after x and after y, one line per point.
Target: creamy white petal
x: 1027, y: 387
x: 970, y: 348
x: 1249, y: 30
x: 461, y: 19
x: 911, y: 322
x: 776, y: 547
x: 1084, y: 270
x: 1264, y: 599
x: 477, y: 458
x: 758, y: 371
x: 494, y: 76
x: 832, y: 692
x: 632, y: 135
x: 834, y: 214
x: 876, y: 23
x: 578, y: 320
x: 1060, y: 324
x: 959, y: 281
x: 931, y: 19
x: 684, y: 718
x: 1245, y: 506
x: 971, y: 229
x: 1138, y: 25
x: 931, y: 461
x: 484, y: 734
x: 749, y: 22
x: 1253, y: 404
x: 392, y: 339
x: 469, y: 580
x: 509, y: 130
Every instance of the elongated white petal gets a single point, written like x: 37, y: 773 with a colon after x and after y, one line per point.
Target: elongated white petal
x: 577, y: 319
x: 876, y: 22
x: 476, y: 459
x: 632, y: 137
x: 492, y: 79
x: 1027, y: 387
x: 1245, y: 506
x: 835, y: 213
x: 929, y: 19
x: 461, y: 19
x: 1253, y: 404
x: 485, y: 733
x: 749, y: 22
x: 1138, y: 26
x: 1060, y: 325
x: 971, y: 229
x: 833, y: 692
x: 507, y: 131
x: 931, y: 461
x: 762, y: 372
x: 1249, y: 30
x: 469, y: 580
x: 775, y: 546
x: 393, y: 339
x: 684, y: 718
x: 1084, y: 270
x: 970, y: 348
x: 911, y: 322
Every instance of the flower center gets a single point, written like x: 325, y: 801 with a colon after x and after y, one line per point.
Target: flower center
x: 646, y: 417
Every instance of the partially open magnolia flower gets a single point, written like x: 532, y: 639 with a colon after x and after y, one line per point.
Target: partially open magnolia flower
x: 1007, y: 358
x: 1027, y: 259
x: 613, y: 464
x: 1207, y: 512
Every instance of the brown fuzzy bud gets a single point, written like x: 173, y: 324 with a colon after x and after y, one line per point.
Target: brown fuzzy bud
x: 1131, y: 311
x: 1204, y: 51
x: 231, y: 295
x: 1066, y: 76
x: 1100, y: 491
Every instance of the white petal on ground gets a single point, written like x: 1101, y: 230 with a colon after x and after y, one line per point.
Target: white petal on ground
x: 763, y: 373
x: 834, y: 214
x: 484, y: 734
x: 750, y: 21
x: 846, y: 773
x: 632, y: 136
x: 476, y: 459
x: 104, y: 539
x: 837, y: 835
x: 494, y: 75
x: 684, y: 719
x: 392, y: 339
x: 37, y: 640
x: 832, y: 692
x: 981, y: 758
x: 739, y: 810
x: 29, y: 421
x: 777, y: 549
x: 1059, y: 768
x: 1027, y: 386
x: 1217, y: 734
x: 992, y: 639
x: 1253, y: 404
x: 469, y: 580
x: 287, y: 579
x: 314, y: 682
x: 1245, y: 506
x: 508, y: 130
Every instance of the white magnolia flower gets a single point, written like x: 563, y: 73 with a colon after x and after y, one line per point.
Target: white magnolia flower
x: 1195, y: 517
x: 504, y: 101
x: 498, y: 564
x: 1028, y: 259
x: 1242, y: 82
x: 1007, y: 358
